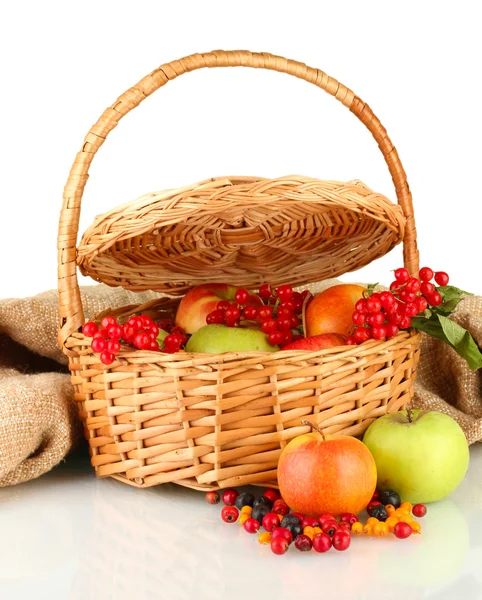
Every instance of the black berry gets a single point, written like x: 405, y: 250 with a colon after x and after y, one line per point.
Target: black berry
x: 379, y: 512
x: 290, y: 520
x: 244, y: 499
x: 295, y: 528
x: 263, y: 501
x: 260, y: 511
x: 390, y: 497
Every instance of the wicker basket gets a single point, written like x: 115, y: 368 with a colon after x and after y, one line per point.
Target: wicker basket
x: 211, y: 421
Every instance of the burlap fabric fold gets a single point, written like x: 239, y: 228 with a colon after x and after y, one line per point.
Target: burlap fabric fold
x: 38, y: 423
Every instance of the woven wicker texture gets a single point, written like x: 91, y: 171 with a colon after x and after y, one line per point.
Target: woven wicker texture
x: 210, y: 421
x: 241, y: 229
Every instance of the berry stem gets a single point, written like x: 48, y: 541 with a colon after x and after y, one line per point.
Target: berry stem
x: 315, y: 427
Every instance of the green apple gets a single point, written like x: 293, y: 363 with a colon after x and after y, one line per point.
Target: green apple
x: 216, y: 339
x: 421, y: 455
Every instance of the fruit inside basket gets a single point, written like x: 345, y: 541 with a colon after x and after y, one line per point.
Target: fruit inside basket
x: 221, y: 418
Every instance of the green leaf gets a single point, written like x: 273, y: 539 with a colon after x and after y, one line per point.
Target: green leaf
x: 450, y: 291
x: 442, y: 328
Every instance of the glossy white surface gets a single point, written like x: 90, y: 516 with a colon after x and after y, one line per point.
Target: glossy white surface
x: 69, y: 536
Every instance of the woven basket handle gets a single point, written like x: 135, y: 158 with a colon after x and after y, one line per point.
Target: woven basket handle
x: 70, y: 304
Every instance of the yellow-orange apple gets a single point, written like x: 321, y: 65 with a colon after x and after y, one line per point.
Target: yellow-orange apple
x: 331, y: 310
x: 320, y: 473
x: 317, y: 342
x: 201, y: 300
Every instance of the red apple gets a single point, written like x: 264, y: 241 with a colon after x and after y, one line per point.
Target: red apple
x: 317, y: 342
x: 320, y: 473
x: 331, y: 310
x: 201, y: 300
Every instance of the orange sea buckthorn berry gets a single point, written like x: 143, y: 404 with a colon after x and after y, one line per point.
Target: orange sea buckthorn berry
x: 416, y: 527
x: 398, y: 513
x: 372, y: 521
x: 317, y: 530
x: 406, y: 519
x: 391, y: 522
x: 280, y: 517
x: 368, y: 529
x: 380, y: 529
x: 247, y: 510
x: 242, y: 518
x: 357, y: 528
x: 309, y: 531
x: 390, y: 509
x: 264, y: 538
x: 406, y: 506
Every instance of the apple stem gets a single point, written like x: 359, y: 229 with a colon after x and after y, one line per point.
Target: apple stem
x: 315, y: 427
x: 409, y: 413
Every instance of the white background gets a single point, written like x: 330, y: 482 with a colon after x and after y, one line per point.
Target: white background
x: 416, y: 63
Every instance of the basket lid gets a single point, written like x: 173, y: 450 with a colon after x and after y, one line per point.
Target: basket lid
x: 240, y: 230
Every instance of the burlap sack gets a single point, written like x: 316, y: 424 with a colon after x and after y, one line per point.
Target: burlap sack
x: 38, y: 424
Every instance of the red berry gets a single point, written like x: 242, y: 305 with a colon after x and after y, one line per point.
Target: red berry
x: 421, y: 304
x: 359, y: 318
x: 394, y: 317
x: 113, y: 346
x: 376, y: 318
x: 425, y: 274
x: 321, y: 542
x: 294, y: 322
x: 387, y: 300
x: 215, y: 317
x: 90, y: 329
x: 107, y: 358
x: 412, y: 285
x: 405, y: 322
x: 128, y: 333
x: 402, y: 530
x: 115, y: 332
x: 279, y: 545
x: 362, y: 334
x: 265, y: 291
x: 420, y: 510
x: 284, y: 292
x: 275, y: 338
x: 297, y: 300
x: 402, y: 275
x: 287, y: 338
x: 376, y: 495
x: 265, y: 312
x: 284, y: 312
x: 407, y: 296
x: 427, y: 288
x: 108, y: 322
x: 329, y: 527
x: 325, y: 517
x: 391, y: 330
x: 288, y: 305
x: 135, y: 322
x: 229, y: 514
x: 361, y: 306
x: 154, y: 346
x: 303, y: 543
x: 441, y: 278
x: 298, y: 515
x: 251, y: 525
x: 341, y: 540
x: 232, y: 313
x: 268, y: 326
x: 434, y: 299
x: 344, y: 526
x: 142, y: 340
x: 379, y: 332
x: 280, y: 507
x: 309, y: 522
x: 374, y: 305
x: 348, y: 518
x: 271, y: 494
x: 282, y: 532
x: 146, y: 321
x: 350, y: 341
x: 229, y: 497
x: 250, y: 313
x: 394, y: 286
x: 283, y: 323
x: 103, y: 333
x: 270, y: 521
x: 241, y: 296
x: 371, y: 505
x: 99, y: 344
x: 213, y: 498
x: 223, y: 305
x: 411, y: 309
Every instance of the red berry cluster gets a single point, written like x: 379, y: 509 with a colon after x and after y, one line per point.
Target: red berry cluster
x: 140, y: 332
x: 382, y: 315
x: 279, y: 317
